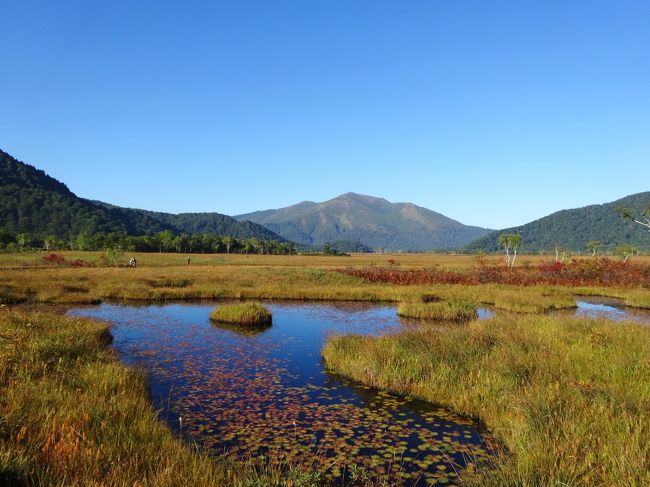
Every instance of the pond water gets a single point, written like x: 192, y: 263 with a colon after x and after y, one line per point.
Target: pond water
x: 610, y: 308
x: 266, y: 394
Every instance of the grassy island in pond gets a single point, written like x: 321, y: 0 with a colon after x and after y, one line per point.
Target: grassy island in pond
x: 253, y: 314
x: 441, y: 311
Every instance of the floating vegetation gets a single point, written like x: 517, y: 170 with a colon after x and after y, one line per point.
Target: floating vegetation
x: 242, y: 314
x: 268, y: 397
x: 438, y: 311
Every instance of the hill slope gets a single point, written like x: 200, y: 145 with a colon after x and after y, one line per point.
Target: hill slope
x: 35, y: 203
x: 573, y: 229
x: 371, y: 221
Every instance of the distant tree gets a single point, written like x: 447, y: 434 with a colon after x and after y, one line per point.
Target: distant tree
x: 216, y: 245
x: 592, y: 246
x: 22, y: 239
x: 48, y: 242
x: 248, y: 246
x: 625, y: 251
x: 629, y: 214
x: 83, y: 241
x: 166, y: 239
x: 510, y: 241
x: 228, y: 241
x: 504, y: 241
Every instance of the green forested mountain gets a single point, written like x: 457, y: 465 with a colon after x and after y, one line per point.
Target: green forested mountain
x: 573, y: 229
x: 35, y: 203
x: 349, y: 246
x: 373, y: 222
x: 197, y: 223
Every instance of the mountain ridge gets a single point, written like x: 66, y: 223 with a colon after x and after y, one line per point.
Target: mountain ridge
x: 370, y: 220
x: 31, y: 201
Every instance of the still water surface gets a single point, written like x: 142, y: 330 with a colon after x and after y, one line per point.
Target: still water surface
x: 267, y: 393
x: 610, y: 308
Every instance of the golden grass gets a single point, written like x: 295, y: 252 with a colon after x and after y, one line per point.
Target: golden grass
x: 568, y: 398
x: 440, y: 311
x: 71, y: 414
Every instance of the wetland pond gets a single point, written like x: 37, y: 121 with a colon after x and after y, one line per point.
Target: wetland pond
x: 610, y: 308
x: 265, y: 393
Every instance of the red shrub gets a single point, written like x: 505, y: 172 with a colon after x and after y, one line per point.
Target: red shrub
x: 583, y: 272
x: 57, y: 259
x: 53, y: 258
x: 551, y: 267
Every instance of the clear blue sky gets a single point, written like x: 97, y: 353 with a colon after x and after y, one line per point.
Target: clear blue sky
x: 491, y: 112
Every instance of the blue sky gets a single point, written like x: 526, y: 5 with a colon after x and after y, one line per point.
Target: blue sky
x: 493, y: 113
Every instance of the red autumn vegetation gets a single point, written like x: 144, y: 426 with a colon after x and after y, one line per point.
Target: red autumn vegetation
x: 601, y: 272
x: 58, y: 259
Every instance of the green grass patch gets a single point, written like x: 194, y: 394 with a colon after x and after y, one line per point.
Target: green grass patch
x: 242, y: 314
x: 567, y: 398
x: 438, y: 311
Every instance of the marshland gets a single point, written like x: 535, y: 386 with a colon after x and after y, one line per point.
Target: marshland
x: 324, y: 244
x: 417, y: 369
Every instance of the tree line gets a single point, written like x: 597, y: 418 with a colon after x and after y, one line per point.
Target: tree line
x: 165, y: 241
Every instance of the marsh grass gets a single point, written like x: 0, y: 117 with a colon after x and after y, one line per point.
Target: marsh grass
x: 71, y: 414
x: 567, y: 398
x: 438, y: 311
x: 252, y: 314
x: 96, y: 284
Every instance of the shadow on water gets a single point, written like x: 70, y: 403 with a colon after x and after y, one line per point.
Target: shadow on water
x: 268, y: 393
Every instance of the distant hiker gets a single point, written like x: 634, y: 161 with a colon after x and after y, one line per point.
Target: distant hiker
x: 189, y: 260
x: 132, y: 262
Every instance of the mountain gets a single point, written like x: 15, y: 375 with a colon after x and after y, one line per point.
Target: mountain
x: 35, y: 203
x: 371, y: 221
x: 193, y: 223
x: 573, y: 229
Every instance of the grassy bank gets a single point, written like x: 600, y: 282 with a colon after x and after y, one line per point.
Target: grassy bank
x: 71, y: 414
x: 442, y: 311
x: 92, y: 285
x: 569, y: 399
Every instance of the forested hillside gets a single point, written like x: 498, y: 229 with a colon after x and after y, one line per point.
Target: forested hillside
x: 34, y: 203
x: 572, y: 230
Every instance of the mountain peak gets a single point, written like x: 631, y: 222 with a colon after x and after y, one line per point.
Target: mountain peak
x: 369, y: 220
x: 364, y: 198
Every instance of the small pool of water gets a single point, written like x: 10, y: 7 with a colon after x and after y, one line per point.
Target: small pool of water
x: 265, y: 392
x: 610, y: 308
